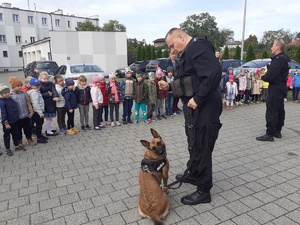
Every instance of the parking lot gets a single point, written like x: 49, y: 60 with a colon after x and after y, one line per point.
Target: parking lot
x: 92, y: 177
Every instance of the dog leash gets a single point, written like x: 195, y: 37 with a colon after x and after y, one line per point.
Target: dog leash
x: 180, y: 181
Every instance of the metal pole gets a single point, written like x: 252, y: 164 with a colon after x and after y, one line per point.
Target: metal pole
x: 36, y: 25
x: 243, y: 34
x: 28, y: 5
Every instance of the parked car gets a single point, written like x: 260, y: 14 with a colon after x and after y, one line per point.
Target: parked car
x: 255, y: 64
x: 139, y: 66
x: 120, y: 72
x: 153, y: 64
x: 234, y: 63
x: 36, y: 67
x: 75, y: 70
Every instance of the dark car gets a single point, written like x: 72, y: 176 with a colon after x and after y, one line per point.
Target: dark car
x: 139, y: 66
x: 255, y: 64
x: 234, y: 63
x: 120, y: 72
x: 26, y: 69
x: 153, y: 64
x: 38, y: 66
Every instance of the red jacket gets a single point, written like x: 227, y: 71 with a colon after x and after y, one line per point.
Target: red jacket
x: 104, y: 93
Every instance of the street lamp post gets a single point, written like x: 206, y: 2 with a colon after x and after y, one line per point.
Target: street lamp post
x: 243, y: 34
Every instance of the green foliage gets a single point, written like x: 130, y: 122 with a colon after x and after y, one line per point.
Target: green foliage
x: 204, y: 25
x: 250, y: 53
x: 132, y: 45
x: 237, y: 53
x: 159, y: 53
x: 225, y: 53
x: 251, y: 39
x: 297, y: 54
x: 113, y: 26
x: 153, y: 53
x: 139, y: 53
x: 143, y: 53
x: 265, y: 54
x: 270, y: 36
x: 87, y: 26
x: 148, y: 52
x: 166, y: 53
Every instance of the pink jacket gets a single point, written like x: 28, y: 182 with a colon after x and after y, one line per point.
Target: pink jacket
x: 289, y: 82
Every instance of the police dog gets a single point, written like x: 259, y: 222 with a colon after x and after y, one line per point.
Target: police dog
x: 153, y: 199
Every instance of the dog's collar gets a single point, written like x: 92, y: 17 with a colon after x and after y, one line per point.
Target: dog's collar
x: 153, y: 165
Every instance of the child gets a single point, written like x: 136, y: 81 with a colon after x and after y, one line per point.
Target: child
x: 141, y: 97
x: 70, y: 104
x: 60, y: 105
x: 170, y: 98
x: 289, y: 85
x: 50, y: 96
x: 25, y: 110
x: 248, y: 87
x: 83, y: 97
x: 115, y: 97
x: 161, y: 96
x: 256, y: 88
x: 236, y: 80
x: 9, y: 119
x: 97, y: 102
x: 232, y: 92
x: 38, y: 106
x: 296, y: 85
x: 242, y: 86
x: 27, y: 85
x: 104, y: 108
x: 265, y: 86
x: 152, y: 97
x: 127, y: 87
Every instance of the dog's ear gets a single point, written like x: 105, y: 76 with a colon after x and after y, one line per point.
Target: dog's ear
x: 154, y: 133
x: 145, y: 143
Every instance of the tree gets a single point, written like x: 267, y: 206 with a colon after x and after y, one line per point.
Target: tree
x: 265, y: 54
x: 87, y: 26
x: 204, y: 25
x: 132, y: 45
x: 225, y: 53
x: 237, y: 52
x: 153, y: 53
x: 148, y: 52
x: 159, y: 53
x: 113, y: 26
x: 251, y: 39
x: 250, y: 53
x: 166, y: 53
x: 143, y: 53
x: 139, y: 53
x: 226, y: 35
x: 297, y: 54
x: 270, y: 36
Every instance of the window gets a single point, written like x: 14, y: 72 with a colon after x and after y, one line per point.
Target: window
x: 1, y: 16
x: 20, y: 54
x: 44, y: 21
x: 5, y: 54
x: 57, y: 22
x: 32, y: 39
x: 16, y: 18
x: 2, y: 38
x: 18, y: 39
x: 30, y: 19
x: 69, y: 23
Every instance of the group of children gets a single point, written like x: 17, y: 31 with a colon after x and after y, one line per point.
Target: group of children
x: 243, y: 86
x: 27, y: 108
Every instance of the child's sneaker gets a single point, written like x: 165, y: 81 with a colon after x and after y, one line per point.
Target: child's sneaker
x: 118, y: 123
x: 83, y: 128
x: 153, y: 119
x: 97, y: 128
x: 101, y: 126
x: 75, y: 130
x: 88, y: 127
x: 20, y: 143
x: 113, y: 123
x: 163, y: 116
x: 136, y: 121
x: 20, y: 148
x: 62, y: 131
x: 43, y: 137
x: 9, y: 152
x: 107, y: 123
x: 149, y: 120
x: 31, y: 142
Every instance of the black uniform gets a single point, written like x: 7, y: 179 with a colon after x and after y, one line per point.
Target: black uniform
x: 201, y: 125
x: 276, y: 76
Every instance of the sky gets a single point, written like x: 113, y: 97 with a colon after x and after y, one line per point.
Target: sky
x: 151, y: 20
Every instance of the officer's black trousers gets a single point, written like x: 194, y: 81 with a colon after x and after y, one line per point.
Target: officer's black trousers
x: 275, y: 114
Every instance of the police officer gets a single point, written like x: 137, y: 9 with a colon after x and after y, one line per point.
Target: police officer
x: 276, y: 76
x: 201, y: 110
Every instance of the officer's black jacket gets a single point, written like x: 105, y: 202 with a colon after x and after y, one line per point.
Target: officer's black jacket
x: 277, y: 75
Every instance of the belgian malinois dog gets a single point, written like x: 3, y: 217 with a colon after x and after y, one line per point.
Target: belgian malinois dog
x: 153, y: 199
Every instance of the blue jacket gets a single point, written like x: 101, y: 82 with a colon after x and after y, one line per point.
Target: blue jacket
x: 296, y: 81
x: 70, y: 98
x: 9, y: 110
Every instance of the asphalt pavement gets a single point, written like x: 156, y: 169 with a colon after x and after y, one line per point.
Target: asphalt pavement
x: 92, y: 177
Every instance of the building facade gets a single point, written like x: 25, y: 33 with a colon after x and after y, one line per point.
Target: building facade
x: 20, y: 27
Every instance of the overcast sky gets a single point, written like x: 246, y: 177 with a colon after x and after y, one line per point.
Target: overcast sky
x: 150, y: 20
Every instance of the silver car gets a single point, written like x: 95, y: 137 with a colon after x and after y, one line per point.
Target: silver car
x: 75, y: 70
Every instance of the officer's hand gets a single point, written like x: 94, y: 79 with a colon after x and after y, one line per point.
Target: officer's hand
x: 192, y: 104
x: 163, y: 85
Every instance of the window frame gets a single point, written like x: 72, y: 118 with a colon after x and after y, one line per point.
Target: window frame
x: 44, y: 21
x: 5, y: 54
x: 57, y: 22
x: 18, y: 39
x: 16, y: 18
x: 2, y: 38
x: 30, y: 19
